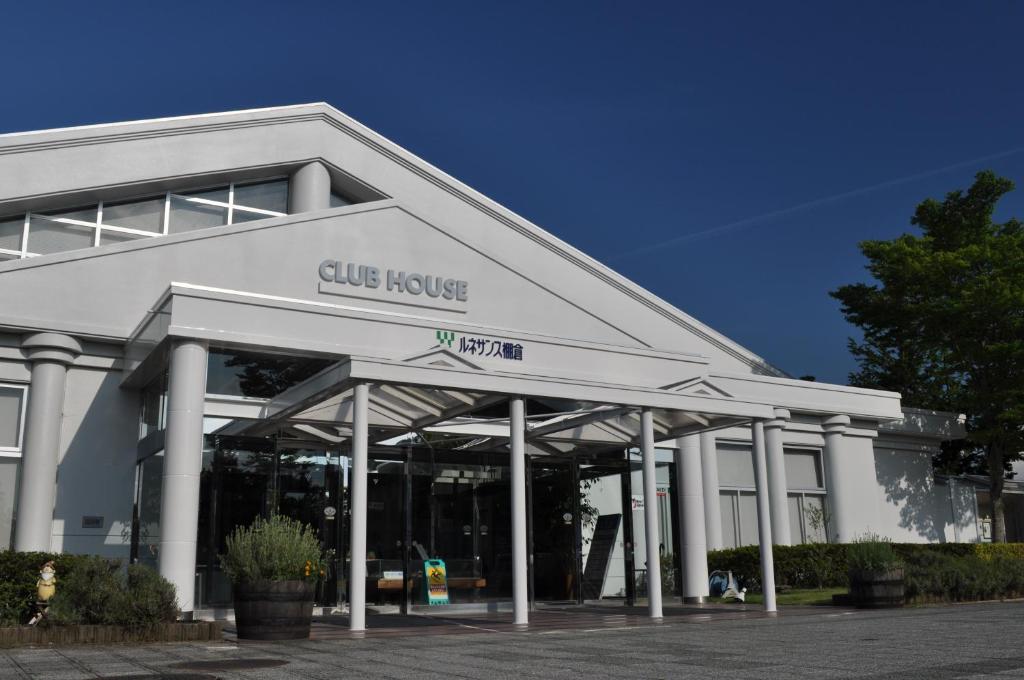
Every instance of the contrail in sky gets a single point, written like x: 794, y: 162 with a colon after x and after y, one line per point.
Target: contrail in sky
x: 765, y: 217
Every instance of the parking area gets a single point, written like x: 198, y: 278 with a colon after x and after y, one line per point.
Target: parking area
x: 926, y: 643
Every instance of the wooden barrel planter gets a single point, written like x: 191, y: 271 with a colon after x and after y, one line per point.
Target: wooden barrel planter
x: 274, y: 610
x: 877, y: 589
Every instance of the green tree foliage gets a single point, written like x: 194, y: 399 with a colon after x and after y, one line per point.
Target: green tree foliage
x: 944, y: 323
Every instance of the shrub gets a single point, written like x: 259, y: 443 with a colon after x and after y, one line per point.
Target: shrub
x: 18, y: 574
x: 100, y: 592
x: 92, y: 594
x: 810, y: 565
x: 934, y: 575
x: 151, y: 597
x: 871, y: 553
x: 275, y: 549
x: 936, y: 571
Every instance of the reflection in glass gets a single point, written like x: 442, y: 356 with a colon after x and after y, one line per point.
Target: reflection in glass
x: 87, y: 214
x: 220, y: 194
x: 108, y: 237
x: 461, y: 513
x: 239, y: 215
x: 236, y: 487
x: 144, y: 215
x: 45, y: 236
x: 154, y: 406
x: 8, y: 494
x: 11, y: 399
x: 188, y: 216
x: 150, y: 488
x: 554, y: 558
x: 265, y: 196
x: 251, y: 374
x: 603, y: 531
x: 11, y: 232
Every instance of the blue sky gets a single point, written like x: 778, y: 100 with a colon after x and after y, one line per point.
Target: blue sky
x: 728, y: 157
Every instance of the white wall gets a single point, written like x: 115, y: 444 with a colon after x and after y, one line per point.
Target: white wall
x: 96, y: 475
x: 910, y: 506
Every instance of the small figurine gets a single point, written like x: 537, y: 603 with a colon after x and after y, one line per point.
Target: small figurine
x: 46, y: 586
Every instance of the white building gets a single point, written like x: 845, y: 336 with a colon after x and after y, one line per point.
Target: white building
x: 209, y: 318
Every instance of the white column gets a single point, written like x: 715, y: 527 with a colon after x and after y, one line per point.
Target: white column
x: 651, y: 515
x: 690, y: 495
x: 764, y: 523
x: 183, y: 464
x: 517, y: 447
x: 50, y: 355
x: 842, y: 505
x: 309, y: 189
x: 709, y: 475
x: 357, y: 529
x: 777, y: 499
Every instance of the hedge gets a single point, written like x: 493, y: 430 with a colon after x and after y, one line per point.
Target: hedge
x: 19, y: 572
x: 91, y: 590
x: 933, y: 571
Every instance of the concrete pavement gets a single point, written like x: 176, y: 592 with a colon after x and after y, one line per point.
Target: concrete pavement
x: 930, y: 643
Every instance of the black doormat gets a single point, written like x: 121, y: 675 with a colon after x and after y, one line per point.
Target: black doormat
x: 227, y: 665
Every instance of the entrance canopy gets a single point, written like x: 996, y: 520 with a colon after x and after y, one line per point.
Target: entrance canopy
x: 593, y: 399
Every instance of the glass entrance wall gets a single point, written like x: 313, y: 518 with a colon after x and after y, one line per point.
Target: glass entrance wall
x: 554, y: 518
x: 607, y: 536
x: 236, y: 486
x: 385, y: 525
x: 426, y: 500
x: 461, y: 513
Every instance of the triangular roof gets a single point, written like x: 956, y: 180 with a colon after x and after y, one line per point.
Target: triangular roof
x: 107, y: 160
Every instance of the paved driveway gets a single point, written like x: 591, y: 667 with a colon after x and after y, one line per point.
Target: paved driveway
x: 935, y: 643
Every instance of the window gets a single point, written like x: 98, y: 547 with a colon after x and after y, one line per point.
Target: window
x: 805, y: 482
x: 738, y: 499
x: 12, y: 426
x: 108, y: 223
x: 153, y: 417
x: 12, y: 418
x: 11, y: 232
x: 735, y: 465
x: 8, y: 499
x: 249, y: 374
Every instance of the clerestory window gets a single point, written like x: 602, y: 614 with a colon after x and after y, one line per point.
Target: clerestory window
x: 109, y: 222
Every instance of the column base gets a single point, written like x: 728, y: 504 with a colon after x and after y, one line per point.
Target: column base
x: 699, y: 599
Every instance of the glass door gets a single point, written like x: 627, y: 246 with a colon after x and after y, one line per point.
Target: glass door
x: 555, y: 524
x: 308, y: 484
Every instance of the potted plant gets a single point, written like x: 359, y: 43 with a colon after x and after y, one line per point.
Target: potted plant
x: 876, y: 573
x: 273, y: 565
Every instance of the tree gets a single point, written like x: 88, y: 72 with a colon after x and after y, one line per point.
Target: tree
x: 944, y: 324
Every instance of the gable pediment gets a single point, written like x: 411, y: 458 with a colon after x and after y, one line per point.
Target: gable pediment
x: 698, y: 386
x: 592, y: 299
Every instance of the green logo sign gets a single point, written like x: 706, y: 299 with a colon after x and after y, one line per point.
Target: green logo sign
x: 490, y: 348
x: 445, y: 338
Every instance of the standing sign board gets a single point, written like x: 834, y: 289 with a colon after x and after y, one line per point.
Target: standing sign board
x: 436, y: 581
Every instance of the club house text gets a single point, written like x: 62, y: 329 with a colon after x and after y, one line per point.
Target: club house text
x: 349, y: 273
